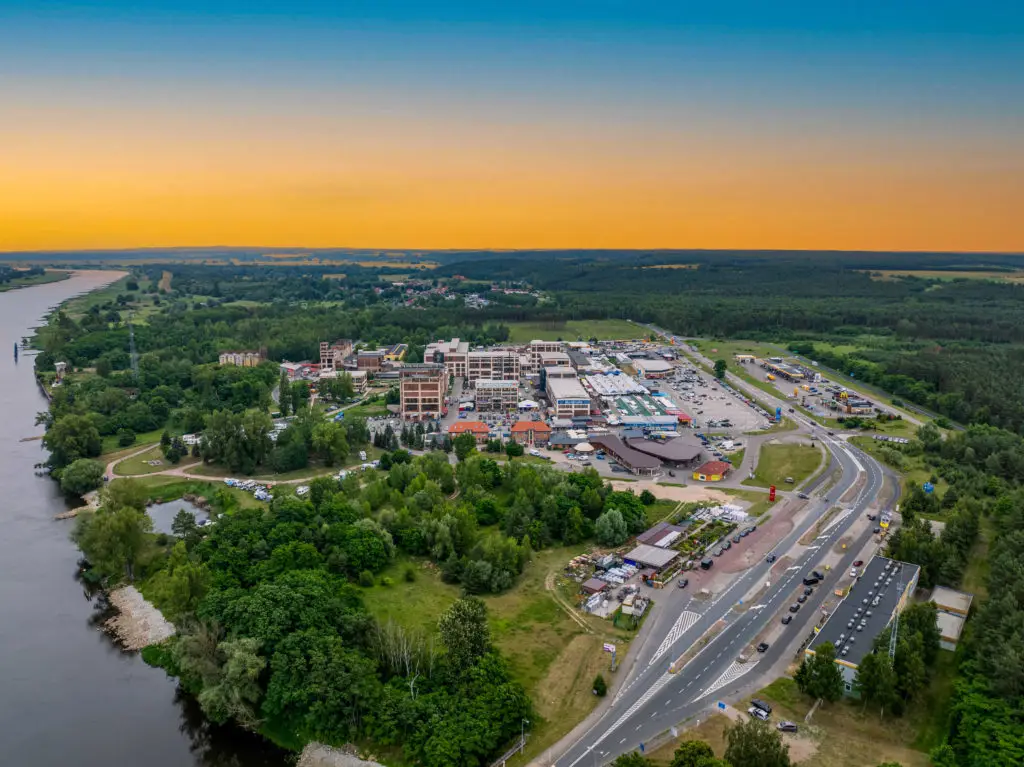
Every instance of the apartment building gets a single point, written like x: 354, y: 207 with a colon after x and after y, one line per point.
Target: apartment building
x: 452, y: 354
x: 242, y: 359
x: 555, y: 360
x: 370, y: 360
x: 422, y: 388
x: 497, y: 395
x: 333, y: 356
x: 492, y: 365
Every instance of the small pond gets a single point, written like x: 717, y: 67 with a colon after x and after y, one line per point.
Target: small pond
x: 163, y: 514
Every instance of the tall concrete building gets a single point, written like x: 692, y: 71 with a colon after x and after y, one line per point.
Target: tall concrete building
x: 422, y: 388
x: 537, y: 348
x: 332, y: 356
x: 452, y: 354
x: 492, y: 365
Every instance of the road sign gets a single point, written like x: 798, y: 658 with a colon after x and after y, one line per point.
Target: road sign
x: 721, y: 706
x: 609, y: 647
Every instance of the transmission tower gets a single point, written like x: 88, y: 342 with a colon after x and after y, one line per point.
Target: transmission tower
x: 893, y: 636
x: 131, y: 348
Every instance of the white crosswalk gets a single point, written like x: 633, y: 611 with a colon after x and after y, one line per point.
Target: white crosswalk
x: 734, y: 672
x: 683, y: 623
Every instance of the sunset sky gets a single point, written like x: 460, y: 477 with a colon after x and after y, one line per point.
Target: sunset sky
x: 516, y: 124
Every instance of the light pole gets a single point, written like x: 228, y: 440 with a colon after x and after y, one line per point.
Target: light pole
x: 522, y: 734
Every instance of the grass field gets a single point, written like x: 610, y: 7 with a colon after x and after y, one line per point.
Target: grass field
x: 315, y: 468
x: 778, y: 461
x: 138, y: 464
x: 659, y: 510
x: 572, y: 330
x: 759, y: 503
x: 372, y: 410
x: 944, y: 276
x: 548, y: 652
x: 914, y: 470
x: 111, y: 450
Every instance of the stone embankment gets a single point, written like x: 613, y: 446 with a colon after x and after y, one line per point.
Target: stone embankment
x: 138, y: 623
x: 319, y: 755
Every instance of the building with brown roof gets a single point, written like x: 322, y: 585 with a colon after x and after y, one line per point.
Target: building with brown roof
x: 536, y: 433
x: 479, y: 430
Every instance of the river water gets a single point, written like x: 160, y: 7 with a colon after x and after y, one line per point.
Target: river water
x: 68, y: 695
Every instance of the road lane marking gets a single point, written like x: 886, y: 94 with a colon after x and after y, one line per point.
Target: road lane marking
x: 683, y: 624
x: 731, y: 674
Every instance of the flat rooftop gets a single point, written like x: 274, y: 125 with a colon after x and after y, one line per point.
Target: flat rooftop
x: 951, y: 600
x: 651, y: 556
x: 566, y: 388
x: 678, y: 449
x: 881, y: 601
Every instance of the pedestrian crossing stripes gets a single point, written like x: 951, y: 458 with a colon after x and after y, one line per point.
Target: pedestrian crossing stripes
x: 682, y: 625
x: 734, y: 672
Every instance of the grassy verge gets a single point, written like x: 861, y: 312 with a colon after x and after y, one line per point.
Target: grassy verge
x: 776, y: 462
x: 163, y: 488
x: 659, y: 511
x: 50, y: 275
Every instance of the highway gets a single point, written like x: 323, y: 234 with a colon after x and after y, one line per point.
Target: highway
x: 654, y: 700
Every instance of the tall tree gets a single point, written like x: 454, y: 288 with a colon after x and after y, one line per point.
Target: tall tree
x: 464, y: 632
x: 720, y: 368
x: 755, y: 744
x: 113, y: 540
x: 819, y: 676
x: 876, y: 681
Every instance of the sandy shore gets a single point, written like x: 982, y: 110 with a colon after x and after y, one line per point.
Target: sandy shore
x: 319, y: 755
x: 138, y: 623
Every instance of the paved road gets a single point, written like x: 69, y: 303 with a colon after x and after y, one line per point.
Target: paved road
x: 655, y: 699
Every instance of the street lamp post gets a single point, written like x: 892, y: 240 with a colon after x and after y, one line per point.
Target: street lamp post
x: 522, y: 734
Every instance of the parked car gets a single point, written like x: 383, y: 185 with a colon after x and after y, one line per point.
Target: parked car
x: 858, y: 563
x: 763, y: 647
x: 786, y: 727
x: 770, y: 558
x: 877, y: 530
x: 787, y: 619
x: 802, y: 495
x: 761, y: 705
x: 802, y: 598
x: 683, y: 583
x: 808, y: 591
x: 757, y: 713
x: 853, y: 572
x: 794, y: 608
x: 872, y: 517
x: 788, y: 480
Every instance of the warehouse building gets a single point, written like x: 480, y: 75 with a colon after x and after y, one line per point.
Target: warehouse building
x: 653, y: 557
x: 652, y: 368
x: 874, y: 600
x: 953, y: 607
x: 568, y: 398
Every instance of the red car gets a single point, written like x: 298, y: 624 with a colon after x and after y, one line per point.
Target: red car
x: 858, y: 563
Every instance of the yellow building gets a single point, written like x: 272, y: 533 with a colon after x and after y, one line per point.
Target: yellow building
x: 712, y: 471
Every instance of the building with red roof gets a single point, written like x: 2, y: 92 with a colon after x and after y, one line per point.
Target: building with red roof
x: 479, y: 430
x: 535, y: 433
x: 712, y: 471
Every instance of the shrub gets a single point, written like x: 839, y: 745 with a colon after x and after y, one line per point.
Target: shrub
x: 385, y: 580
x: 125, y: 437
x: 600, y: 687
x: 366, y: 579
x: 409, y: 574
x: 647, y: 498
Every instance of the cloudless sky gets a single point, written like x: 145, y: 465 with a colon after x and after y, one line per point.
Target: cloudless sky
x: 885, y: 125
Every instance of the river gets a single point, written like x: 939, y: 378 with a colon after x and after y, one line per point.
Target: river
x: 68, y: 695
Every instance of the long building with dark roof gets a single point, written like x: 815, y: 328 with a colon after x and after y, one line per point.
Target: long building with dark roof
x: 633, y: 460
x: 678, y: 452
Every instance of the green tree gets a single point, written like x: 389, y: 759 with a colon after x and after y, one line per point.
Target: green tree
x: 72, y: 437
x: 876, y: 682
x: 330, y: 441
x: 124, y: 493
x: 694, y: 753
x: 81, y: 476
x: 284, y: 395
x: 464, y: 632
x: 113, y: 540
x: 464, y: 445
x: 819, y: 675
x: 647, y: 498
x: 600, y: 687
x: 755, y: 744
x: 184, y: 527
x: 720, y: 368
x: 236, y: 691
x: 180, y: 586
x: 610, y: 528
x: 513, y: 449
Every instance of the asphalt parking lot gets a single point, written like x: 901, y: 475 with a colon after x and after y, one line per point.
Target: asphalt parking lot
x: 710, y: 403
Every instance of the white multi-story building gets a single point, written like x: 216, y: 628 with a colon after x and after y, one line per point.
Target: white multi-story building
x: 497, y: 395
x: 492, y: 365
x: 568, y: 398
x: 537, y: 348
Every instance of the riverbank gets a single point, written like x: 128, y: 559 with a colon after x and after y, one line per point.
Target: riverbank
x: 138, y: 623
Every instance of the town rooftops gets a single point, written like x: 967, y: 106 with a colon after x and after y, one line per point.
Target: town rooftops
x: 651, y: 556
x: 567, y: 388
x: 624, y: 453
x: 520, y: 427
x: 658, y: 533
x: 714, y: 467
x: 473, y: 427
x: 952, y: 601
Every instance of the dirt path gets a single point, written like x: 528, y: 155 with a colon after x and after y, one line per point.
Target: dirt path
x: 673, y: 492
x: 549, y: 584
x: 165, y: 282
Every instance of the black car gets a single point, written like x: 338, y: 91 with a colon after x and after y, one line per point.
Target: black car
x: 683, y: 583
x: 761, y: 705
x: 793, y: 608
x: 808, y: 591
x: 762, y: 647
x: 810, y: 580
x: 770, y: 558
x: 802, y: 598
x: 877, y: 530
x: 786, y: 619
